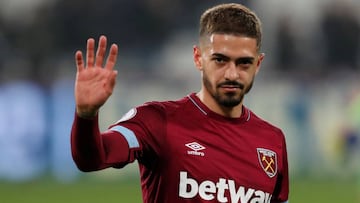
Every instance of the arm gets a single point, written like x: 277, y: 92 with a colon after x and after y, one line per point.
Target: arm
x: 86, y: 144
x: 93, y: 86
x: 92, y: 150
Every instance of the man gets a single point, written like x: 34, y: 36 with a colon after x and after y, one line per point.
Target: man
x: 205, y: 147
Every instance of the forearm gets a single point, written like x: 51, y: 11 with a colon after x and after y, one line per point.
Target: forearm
x: 86, y: 144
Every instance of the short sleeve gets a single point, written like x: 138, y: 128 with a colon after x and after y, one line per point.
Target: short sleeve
x: 281, y: 193
x: 143, y: 128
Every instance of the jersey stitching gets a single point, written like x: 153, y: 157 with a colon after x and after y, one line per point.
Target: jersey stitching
x: 249, y: 113
x: 194, y: 102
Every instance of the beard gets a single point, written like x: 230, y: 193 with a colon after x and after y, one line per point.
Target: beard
x: 230, y: 99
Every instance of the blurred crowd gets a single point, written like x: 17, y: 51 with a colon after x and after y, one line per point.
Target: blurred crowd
x: 318, y: 38
x: 310, y: 73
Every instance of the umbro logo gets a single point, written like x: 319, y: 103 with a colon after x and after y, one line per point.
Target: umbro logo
x: 196, y: 149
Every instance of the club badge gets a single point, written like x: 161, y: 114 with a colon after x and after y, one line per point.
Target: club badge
x: 268, y: 161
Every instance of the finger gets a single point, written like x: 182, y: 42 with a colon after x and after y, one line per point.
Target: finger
x: 90, y: 52
x: 79, y: 61
x: 100, y: 53
x: 111, y: 60
x: 113, y: 80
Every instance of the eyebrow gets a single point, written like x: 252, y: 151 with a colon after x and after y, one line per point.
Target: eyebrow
x: 237, y: 60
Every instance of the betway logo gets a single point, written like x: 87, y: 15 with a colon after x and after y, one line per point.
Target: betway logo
x: 208, y: 190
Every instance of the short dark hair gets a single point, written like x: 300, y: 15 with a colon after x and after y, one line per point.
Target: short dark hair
x: 232, y: 18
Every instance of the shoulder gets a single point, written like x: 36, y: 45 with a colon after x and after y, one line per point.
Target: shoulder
x: 167, y: 106
x: 154, y: 109
x: 259, y: 122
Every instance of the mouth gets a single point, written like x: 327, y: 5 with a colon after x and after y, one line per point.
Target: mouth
x: 231, y: 86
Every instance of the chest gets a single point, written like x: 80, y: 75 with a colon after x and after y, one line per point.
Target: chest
x: 231, y: 153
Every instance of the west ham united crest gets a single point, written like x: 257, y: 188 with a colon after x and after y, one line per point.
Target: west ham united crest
x: 268, y: 161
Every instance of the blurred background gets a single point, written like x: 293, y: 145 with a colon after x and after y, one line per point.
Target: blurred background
x: 309, y: 86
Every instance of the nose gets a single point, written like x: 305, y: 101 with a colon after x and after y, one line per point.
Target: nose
x: 231, y: 72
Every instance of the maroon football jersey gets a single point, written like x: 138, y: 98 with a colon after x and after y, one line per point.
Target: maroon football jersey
x: 187, y: 153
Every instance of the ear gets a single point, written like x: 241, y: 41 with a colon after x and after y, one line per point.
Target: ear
x: 197, y: 57
x: 260, y: 59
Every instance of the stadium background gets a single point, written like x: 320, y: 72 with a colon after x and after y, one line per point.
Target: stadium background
x: 309, y: 86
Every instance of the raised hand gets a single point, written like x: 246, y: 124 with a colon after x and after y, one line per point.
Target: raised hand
x: 94, y: 82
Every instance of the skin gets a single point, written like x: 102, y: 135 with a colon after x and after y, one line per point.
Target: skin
x: 228, y: 66
x: 95, y: 80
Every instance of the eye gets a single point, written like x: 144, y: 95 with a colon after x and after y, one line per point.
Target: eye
x: 245, y: 62
x: 219, y: 60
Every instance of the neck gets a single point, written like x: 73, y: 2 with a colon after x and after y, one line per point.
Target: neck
x: 210, y: 102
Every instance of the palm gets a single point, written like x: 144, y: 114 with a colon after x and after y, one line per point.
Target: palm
x: 94, y: 83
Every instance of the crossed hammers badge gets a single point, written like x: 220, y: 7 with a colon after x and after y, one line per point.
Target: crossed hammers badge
x: 268, y: 161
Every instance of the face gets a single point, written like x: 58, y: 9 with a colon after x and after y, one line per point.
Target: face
x: 228, y: 64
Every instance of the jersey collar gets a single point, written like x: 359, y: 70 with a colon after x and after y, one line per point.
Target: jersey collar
x: 245, y: 115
